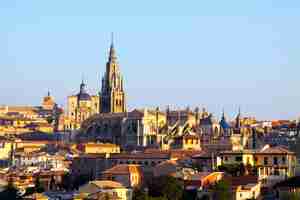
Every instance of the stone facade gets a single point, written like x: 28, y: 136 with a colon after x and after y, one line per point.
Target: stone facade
x: 111, y: 98
x: 81, y: 107
x: 112, y: 91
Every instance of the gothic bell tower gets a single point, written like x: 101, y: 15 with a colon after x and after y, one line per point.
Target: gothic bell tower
x: 112, y: 91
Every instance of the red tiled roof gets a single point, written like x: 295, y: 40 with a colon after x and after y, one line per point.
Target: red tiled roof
x: 275, y: 150
x: 154, y: 155
x: 124, y: 169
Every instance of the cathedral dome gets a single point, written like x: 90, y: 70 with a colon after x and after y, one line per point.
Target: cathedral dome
x: 48, y: 102
x: 83, y: 95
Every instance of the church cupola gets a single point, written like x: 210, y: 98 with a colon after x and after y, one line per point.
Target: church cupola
x: 83, y: 95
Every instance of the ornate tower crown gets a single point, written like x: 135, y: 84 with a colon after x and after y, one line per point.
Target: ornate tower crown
x: 112, y: 52
x: 112, y: 92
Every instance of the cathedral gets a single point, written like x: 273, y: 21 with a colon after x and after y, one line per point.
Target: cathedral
x: 111, y: 99
x: 105, y: 118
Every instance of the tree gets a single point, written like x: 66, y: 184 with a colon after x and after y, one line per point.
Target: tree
x: 156, y: 198
x: 196, y: 166
x: 189, y: 194
x: 139, y: 194
x: 10, y: 192
x: 38, y: 186
x: 222, y: 190
x: 80, y: 180
x: 166, y: 186
x: 290, y: 196
x: 234, y: 169
x: 52, y: 183
x: 66, y: 183
x: 50, y: 119
x: 242, y: 169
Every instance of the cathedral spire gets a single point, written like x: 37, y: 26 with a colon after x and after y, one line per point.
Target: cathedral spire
x: 223, y: 114
x: 112, y: 40
x: 82, y: 85
x: 238, y: 119
x: 112, y: 51
x: 112, y: 92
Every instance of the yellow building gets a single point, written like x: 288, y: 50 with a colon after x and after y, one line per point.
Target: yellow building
x: 81, y: 107
x: 20, y: 119
x: 273, y: 164
x: 48, y: 102
x: 106, y: 148
x: 5, y: 149
x: 96, y: 189
x: 249, y: 191
x: 188, y: 141
x: 129, y: 175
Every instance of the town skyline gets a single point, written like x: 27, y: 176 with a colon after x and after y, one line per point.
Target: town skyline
x: 149, y: 100
x: 245, y: 56
x: 216, y: 109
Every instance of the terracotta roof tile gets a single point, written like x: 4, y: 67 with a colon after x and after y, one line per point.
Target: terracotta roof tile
x: 124, y: 169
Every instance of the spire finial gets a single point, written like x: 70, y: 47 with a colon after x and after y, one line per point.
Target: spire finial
x: 48, y: 93
x: 82, y: 78
x: 112, y: 53
x: 112, y: 39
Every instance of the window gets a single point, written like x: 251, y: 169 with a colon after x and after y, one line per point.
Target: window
x: 226, y: 158
x: 275, y: 161
x: 265, y: 160
x: 283, y: 160
x: 238, y: 158
x: 248, y: 160
x: 153, y: 163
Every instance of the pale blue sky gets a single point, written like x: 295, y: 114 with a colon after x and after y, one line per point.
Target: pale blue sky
x: 208, y: 53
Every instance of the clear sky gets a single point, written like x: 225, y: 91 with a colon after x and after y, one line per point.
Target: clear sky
x: 217, y: 54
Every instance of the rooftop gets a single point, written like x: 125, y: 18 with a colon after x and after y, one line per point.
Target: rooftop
x: 123, y: 169
x: 106, y: 184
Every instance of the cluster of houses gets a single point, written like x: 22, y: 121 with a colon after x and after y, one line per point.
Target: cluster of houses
x: 192, y: 147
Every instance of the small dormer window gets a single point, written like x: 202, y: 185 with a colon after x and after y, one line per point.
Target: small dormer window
x: 265, y: 160
x: 275, y: 161
x: 283, y: 160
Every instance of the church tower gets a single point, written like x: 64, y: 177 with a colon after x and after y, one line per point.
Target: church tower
x: 112, y: 91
